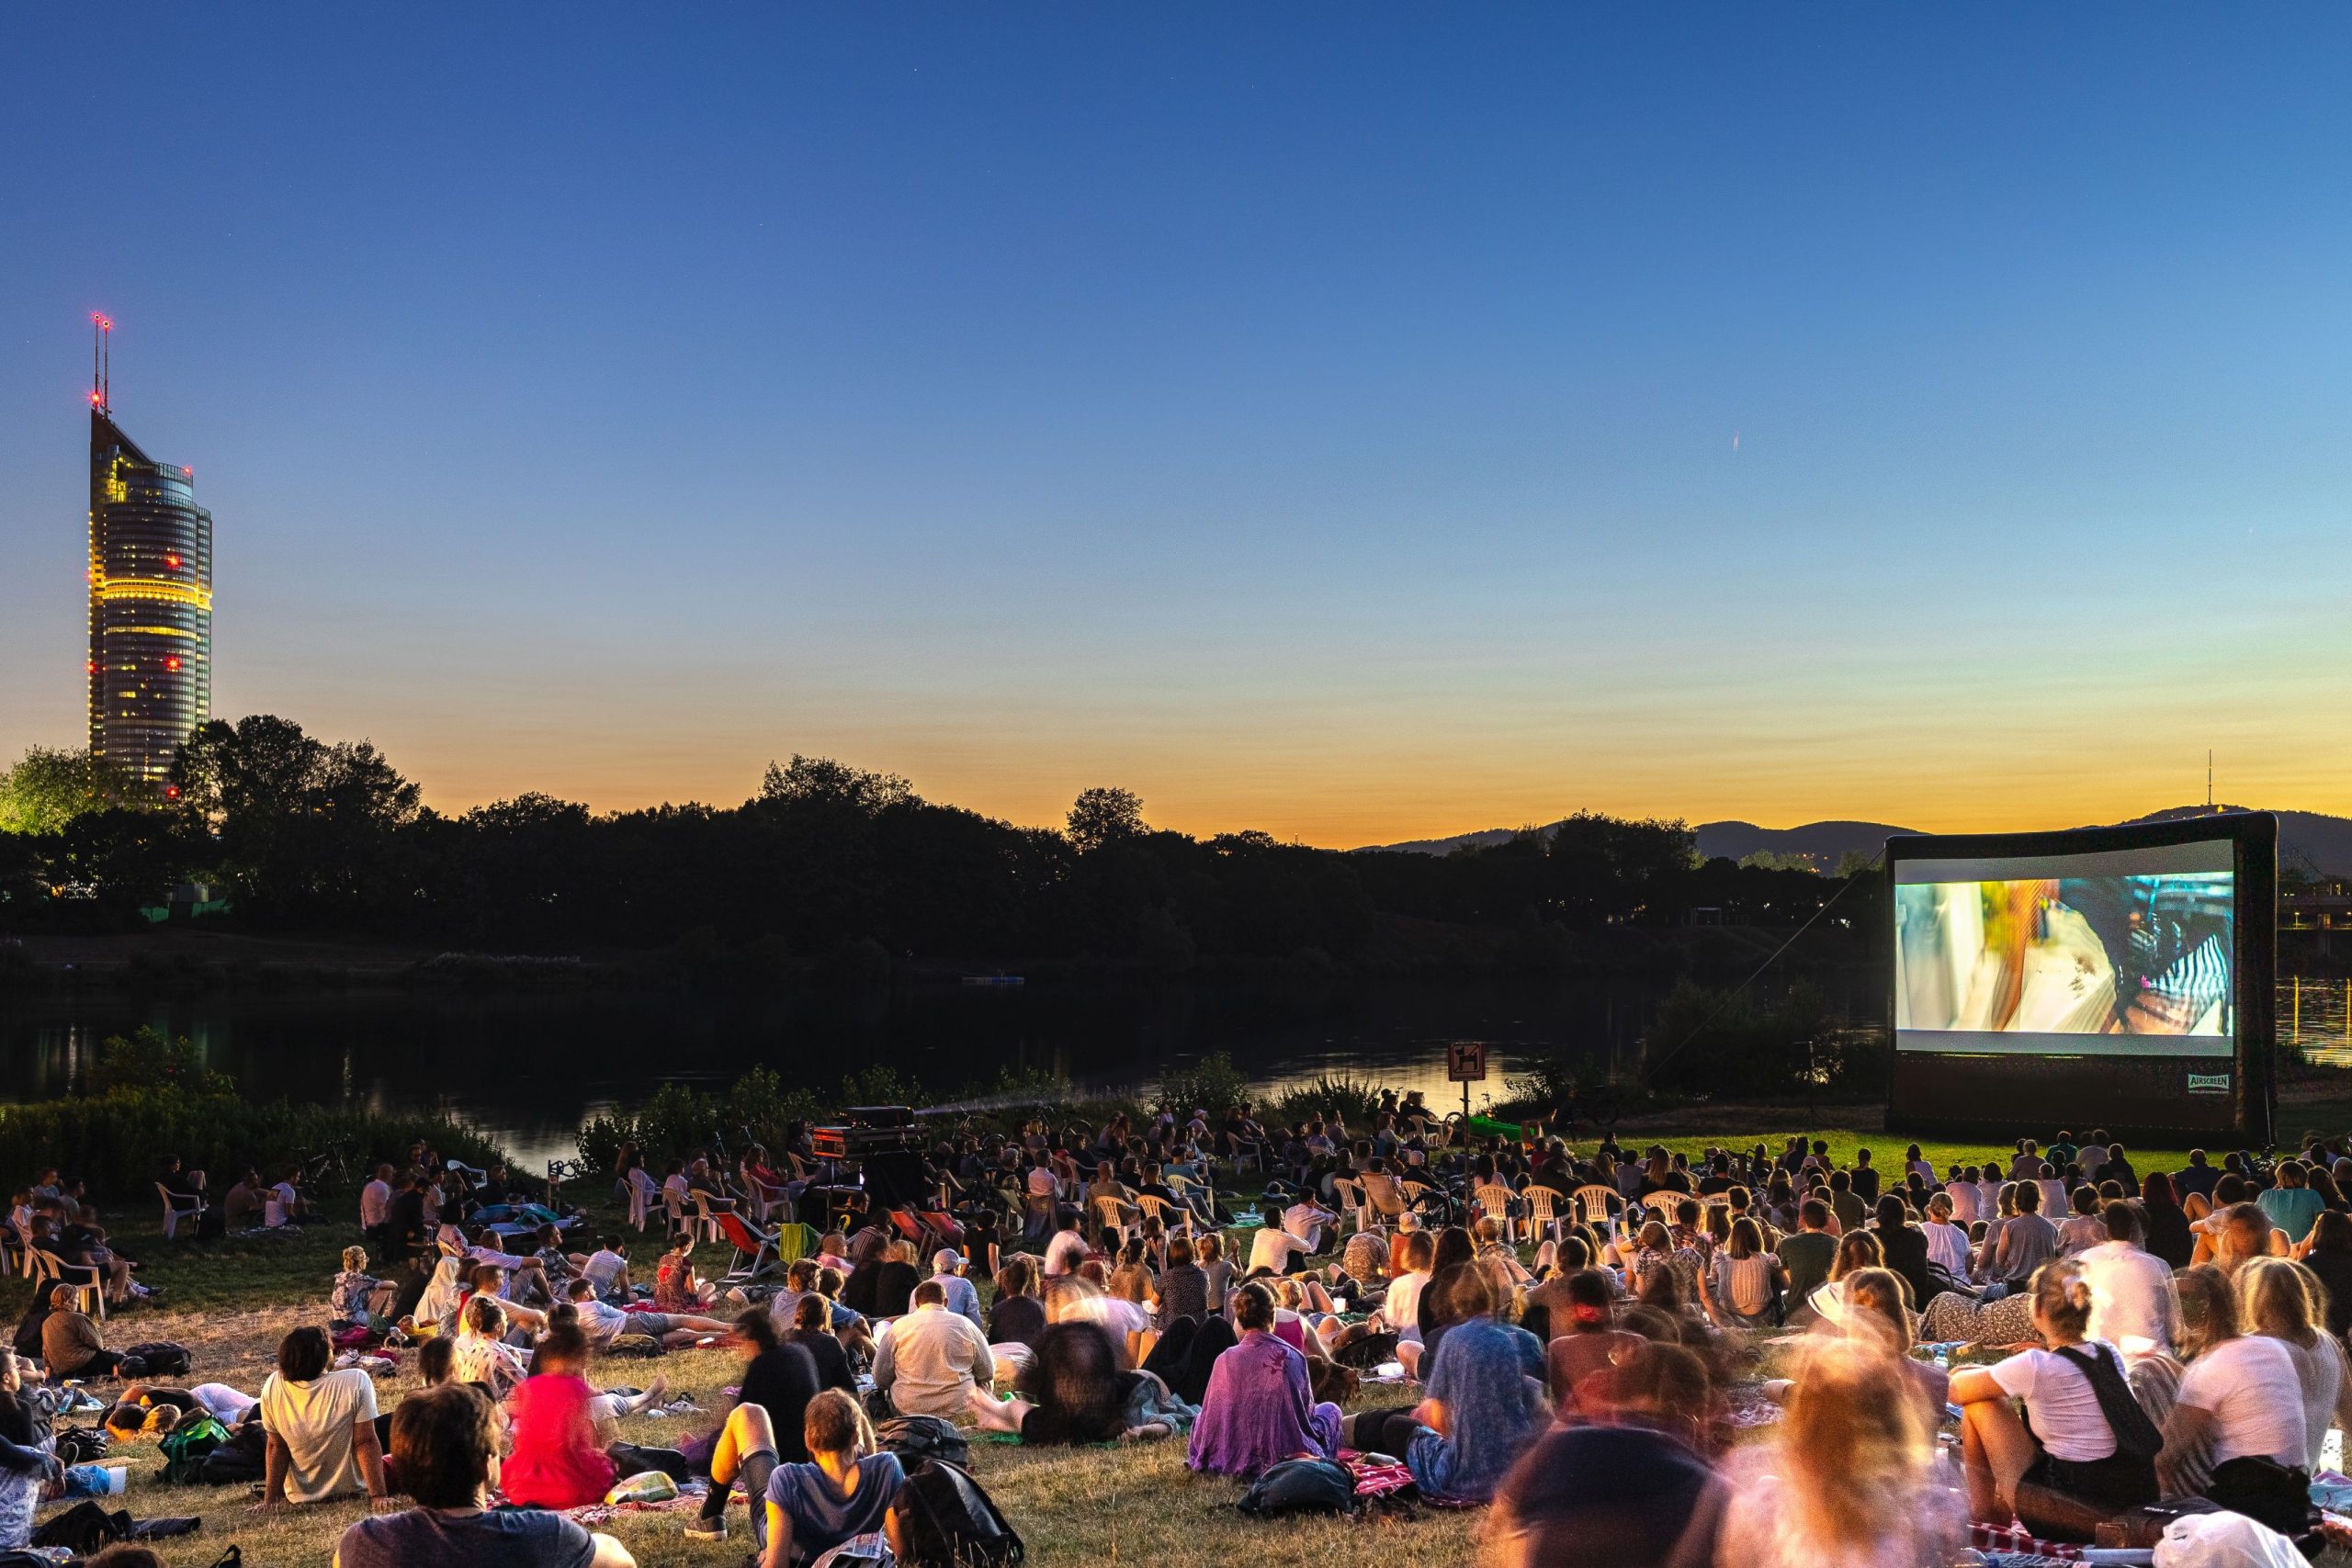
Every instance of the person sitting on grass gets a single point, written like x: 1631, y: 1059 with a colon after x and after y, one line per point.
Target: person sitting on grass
x: 359, y: 1297
x: 321, y: 1425
x: 811, y: 1332
x: 1258, y: 1409
x: 445, y: 1443
x: 483, y: 1356
x: 846, y: 1491
x: 71, y: 1344
x: 1072, y: 1391
x: 2064, y: 1468
x: 604, y: 1323
x: 768, y: 1426
x: 283, y: 1206
x: 676, y: 1287
x: 933, y: 1361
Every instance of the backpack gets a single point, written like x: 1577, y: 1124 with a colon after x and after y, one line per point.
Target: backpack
x: 913, y: 1437
x: 83, y: 1444
x: 156, y: 1359
x: 2135, y: 1436
x: 950, y: 1522
x: 1300, y: 1487
x: 187, y: 1446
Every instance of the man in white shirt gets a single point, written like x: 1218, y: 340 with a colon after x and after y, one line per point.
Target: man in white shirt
x: 2134, y: 1304
x: 932, y: 1360
x: 963, y: 1300
x: 1274, y: 1249
x: 1305, y: 1220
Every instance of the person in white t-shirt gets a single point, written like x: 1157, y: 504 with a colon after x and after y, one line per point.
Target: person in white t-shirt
x: 1274, y: 1249
x: 1400, y: 1309
x: 2247, y: 1398
x: 283, y: 1206
x: 321, y: 1425
x: 1967, y: 1203
x: 1946, y: 1243
x: 1067, y: 1247
x: 2061, y: 1470
x: 2134, y: 1304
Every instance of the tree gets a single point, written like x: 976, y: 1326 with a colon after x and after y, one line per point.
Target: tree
x: 1101, y: 817
x: 821, y: 781
x: 50, y: 787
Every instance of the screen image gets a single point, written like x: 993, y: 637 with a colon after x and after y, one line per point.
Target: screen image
x: 2128, y: 951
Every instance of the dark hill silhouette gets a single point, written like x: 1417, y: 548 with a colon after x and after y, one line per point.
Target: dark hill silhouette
x: 2310, y: 842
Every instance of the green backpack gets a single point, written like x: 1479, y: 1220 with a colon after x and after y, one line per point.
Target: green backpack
x: 187, y: 1445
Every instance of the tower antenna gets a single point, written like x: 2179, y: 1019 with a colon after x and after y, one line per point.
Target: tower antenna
x: 2208, y: 778
x: 101, y: 363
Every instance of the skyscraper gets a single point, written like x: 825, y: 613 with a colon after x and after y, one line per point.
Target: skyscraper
x: 151, y: 600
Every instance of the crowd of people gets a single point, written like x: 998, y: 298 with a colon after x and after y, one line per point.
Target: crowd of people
x: 1751, y: 1356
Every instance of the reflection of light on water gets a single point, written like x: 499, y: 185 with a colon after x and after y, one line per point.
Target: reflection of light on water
x: 2313, y: 1018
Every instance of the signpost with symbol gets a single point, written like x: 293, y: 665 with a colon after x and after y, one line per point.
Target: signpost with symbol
x: 1465, y: 1064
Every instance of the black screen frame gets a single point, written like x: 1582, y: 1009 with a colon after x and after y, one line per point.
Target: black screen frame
x: 2015, y: 1095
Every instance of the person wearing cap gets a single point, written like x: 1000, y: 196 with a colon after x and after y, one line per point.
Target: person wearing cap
x: 963, y: 1298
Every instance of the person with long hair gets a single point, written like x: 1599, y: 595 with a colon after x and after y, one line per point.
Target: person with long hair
x: 2266, y: 1429
x: 1741, y: 1287
x: 2327, y: 1253
x: 1482, y: 1409
x: 2069, y: 1468
x: 1856, y: 1249
x: 1587, y: 1343
x: 1849, y: 1478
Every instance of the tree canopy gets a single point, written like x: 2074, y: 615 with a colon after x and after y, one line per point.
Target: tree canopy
x: 826, y: 858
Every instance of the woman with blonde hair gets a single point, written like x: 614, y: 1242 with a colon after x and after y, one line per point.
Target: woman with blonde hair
x: 2085, y: 1452
x: 2285, y: 1301
x: 1850, y: 1481
x: 1856, y: 1249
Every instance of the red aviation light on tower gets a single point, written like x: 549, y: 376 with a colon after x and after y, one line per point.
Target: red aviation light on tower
x: 172, y: 663
x: 172, y: 561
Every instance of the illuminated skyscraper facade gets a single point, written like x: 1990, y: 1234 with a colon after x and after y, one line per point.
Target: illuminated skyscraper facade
x: 150, y: 603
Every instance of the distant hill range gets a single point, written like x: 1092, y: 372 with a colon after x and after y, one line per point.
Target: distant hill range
x: 2308, y: 842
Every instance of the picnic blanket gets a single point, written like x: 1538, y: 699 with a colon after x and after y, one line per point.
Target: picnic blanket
x: 1376, y: 1475
x: 2014, y: 1537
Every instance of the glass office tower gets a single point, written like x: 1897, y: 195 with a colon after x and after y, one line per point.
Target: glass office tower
x: 150, y: 606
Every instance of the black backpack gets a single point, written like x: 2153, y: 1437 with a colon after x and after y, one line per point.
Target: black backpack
x: 1300, y: 1487
x: 913, y: 1437
x: 2136, y: 1437
x: 155, y: 1359
x: 950, y: 1522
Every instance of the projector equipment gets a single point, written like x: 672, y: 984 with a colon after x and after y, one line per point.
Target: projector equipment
x: 865, y: 1130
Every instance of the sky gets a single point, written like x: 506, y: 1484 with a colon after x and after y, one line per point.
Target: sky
x: 1359, y: 422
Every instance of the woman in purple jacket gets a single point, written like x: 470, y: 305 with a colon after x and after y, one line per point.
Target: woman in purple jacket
x: 1259, y: 1410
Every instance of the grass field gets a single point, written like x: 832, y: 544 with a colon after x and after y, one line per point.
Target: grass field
x: 230, y: 1303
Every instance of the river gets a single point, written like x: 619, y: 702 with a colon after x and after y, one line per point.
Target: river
x: 527, y: 1067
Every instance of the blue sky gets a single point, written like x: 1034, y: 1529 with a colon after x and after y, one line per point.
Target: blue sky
x: 1355, y: 421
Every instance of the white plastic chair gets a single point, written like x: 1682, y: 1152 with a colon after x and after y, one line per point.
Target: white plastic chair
x: 178, y: 1206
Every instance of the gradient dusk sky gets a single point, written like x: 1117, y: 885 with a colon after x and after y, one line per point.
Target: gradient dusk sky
x: 1357, y: 422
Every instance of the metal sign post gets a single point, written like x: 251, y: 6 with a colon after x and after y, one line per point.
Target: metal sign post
x: 1465, y: 1064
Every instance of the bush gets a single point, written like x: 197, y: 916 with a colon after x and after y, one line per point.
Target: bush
x: 116, y: 1142
x: 1210, y: 1083
x: 149, y: 1059
x: 1356, y: 1101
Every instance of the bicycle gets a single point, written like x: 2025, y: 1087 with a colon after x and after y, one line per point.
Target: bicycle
x: 331, y: 1160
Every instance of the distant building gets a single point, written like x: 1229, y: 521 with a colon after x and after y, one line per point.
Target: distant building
x: 150, y: 603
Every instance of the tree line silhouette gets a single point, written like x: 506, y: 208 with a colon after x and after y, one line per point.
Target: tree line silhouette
x: 319, y: 837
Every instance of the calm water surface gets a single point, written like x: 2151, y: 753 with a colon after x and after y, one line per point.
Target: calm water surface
x: 528, y: 1067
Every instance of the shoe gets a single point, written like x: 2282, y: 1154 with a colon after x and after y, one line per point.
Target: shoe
x: 707, y: 1529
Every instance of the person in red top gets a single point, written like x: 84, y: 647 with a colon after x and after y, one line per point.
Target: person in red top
x: 556, y: 1462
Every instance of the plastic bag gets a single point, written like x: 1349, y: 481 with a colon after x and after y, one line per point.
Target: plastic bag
x: 647, y: 1486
